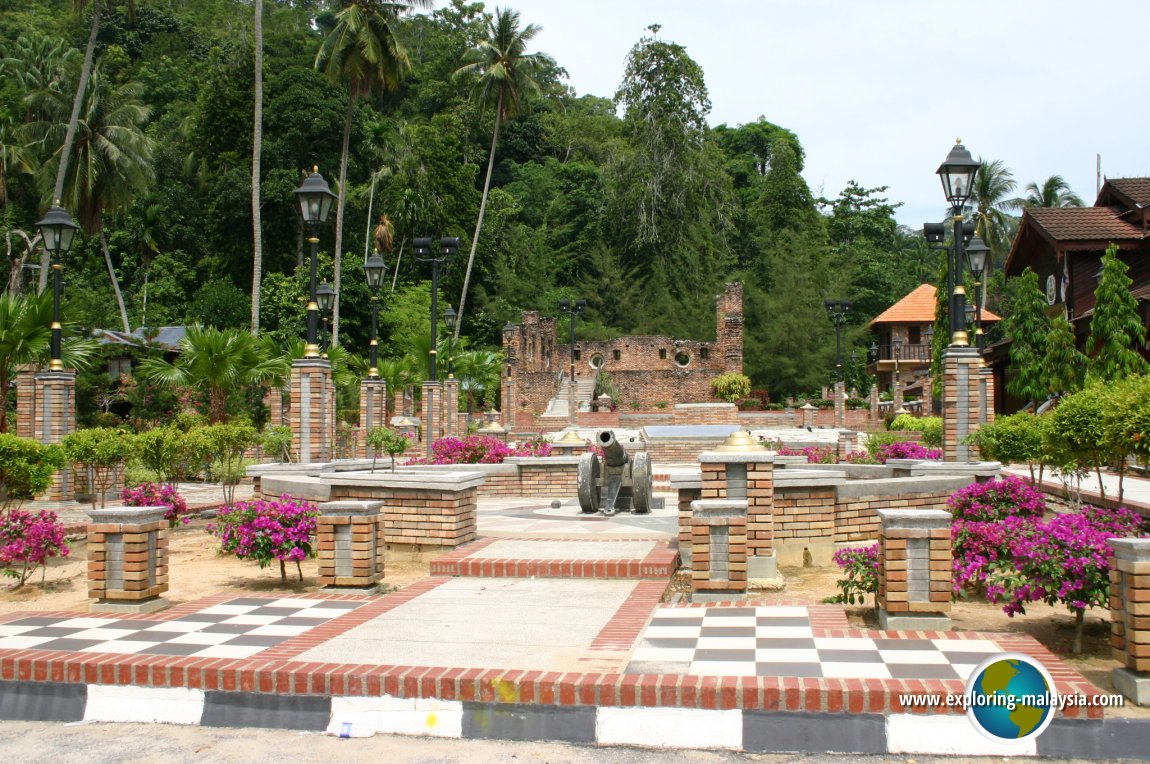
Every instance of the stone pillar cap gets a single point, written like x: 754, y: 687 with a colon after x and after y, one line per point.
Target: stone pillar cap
x: 1131, y: 548
x: 913, y: 518
x: 126, y: 515
x: 349, y: 507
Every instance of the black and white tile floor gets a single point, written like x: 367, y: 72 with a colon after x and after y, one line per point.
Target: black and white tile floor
x: 237, y: 628
x: 780, y: 641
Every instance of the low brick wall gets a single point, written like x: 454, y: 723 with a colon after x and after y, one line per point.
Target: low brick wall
x: 415, y: 517
x: 705, y: 413
x: 804, y: 513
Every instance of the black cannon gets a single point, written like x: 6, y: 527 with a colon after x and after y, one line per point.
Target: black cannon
x: 615, y: 481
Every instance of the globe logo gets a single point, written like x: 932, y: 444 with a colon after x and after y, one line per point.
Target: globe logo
x: 1011, y: 698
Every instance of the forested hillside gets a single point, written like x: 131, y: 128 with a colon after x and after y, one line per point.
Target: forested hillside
x: 628, y: 199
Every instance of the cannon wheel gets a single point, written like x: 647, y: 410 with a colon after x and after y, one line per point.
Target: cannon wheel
x: 641, y: 483
x: 588, y: 483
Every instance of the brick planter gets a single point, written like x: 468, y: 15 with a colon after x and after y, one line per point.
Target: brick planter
x: 1130, y: 617
x: 747, y: 476
x: 350, y: 545
x: 127, y: 559
x: 914, y: 569
x: 718, y: 549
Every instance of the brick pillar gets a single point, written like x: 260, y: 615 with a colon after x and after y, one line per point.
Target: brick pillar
x: 986, y: 395
x: 687, y: 495
x: 55, y: 417
x: 1130, y: 617
x: 350, y: 545
x: 399, y: 404
x: 431, y: 414
x: 451, y: 408
x: 928, y: 397
x: 25, y: 402
x: 372, y: 408
x: 274, y: 400
x: 718, y: 549
x: 961, y: 402
x: 746, y: 476
x: 127, y: 559
x: 312, y: 410
x: 840, y: 393
x: 808, y: 415
x: 848, y: 443
x: 874, y: 403
x: 914, y: 569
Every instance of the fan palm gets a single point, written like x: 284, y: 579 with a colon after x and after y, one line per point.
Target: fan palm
x: 478, y: 372
x: 506, y: 74
x: 218, y: 362
x: 1054, y: 192
x: 113, y: 159
x: 364, y: 51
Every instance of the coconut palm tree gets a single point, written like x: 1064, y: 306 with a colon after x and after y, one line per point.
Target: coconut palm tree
x: 991, y: 197
x: 218, y: 362
x: 113, y: 160
x: 1054, y: 192
x: 506, y: 74
x: 363, y: 50
x: 257, y: 154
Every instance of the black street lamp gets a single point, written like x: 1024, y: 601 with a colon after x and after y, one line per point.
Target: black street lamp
x: 449, y: 319
x: 896, y: 387
x: 976, y: 258
x: 837, y: 310
x: 325, y: 298
x: 448, y: 246
x: 315, y: 200
x: 572, y: 308
x: 374, y: 269
x: 57, y: 230
x: 957, y: 175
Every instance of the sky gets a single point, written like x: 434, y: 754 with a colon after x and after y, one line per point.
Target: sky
x: 878, y: 90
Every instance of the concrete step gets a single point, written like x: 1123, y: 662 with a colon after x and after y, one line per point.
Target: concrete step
x: 567, y: 558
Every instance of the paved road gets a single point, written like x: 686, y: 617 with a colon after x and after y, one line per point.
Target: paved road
x: 55, y: 743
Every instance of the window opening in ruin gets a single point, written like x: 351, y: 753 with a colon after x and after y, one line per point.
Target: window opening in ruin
x: 615, y: 355
x: 596, y: 361
x: 682, y: 359
x: 662, y: 354
x: 704, y: 353
x: 578, y: 355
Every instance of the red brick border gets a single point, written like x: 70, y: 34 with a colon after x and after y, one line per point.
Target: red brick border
x: 661, y: 562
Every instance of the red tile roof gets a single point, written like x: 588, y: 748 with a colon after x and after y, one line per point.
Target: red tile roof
x: 1138, y: 189
x: 918, y: 308
x: 1083, y: 223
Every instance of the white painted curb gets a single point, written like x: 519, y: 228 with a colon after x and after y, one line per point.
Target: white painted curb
x: 916, y: 733
x: 364, y: 717
x: 168, y: 705
x: 669, y: 727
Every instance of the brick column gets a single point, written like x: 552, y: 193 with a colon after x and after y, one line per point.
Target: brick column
x: 25, y: 402
x: 718, y: 549
x: 746, y: 476
x: 961, y: 402
x: 914, y: 569
x: 127, y: 559
x: 874, y: 403
x: 1130, y: 617
x: 840, y: 394
x: 399, y: 405
x: 55, y: 417
x: 350, y: 545
x: 311, y: 410
x: 848, y: 443
x: 332, y: 418
x: 431, y: 414
x: 451, y: 408
x: 274, y: 400
x: 372, y: 408
x: 688, y: 489
x: 928, y: 397
x: 808, y: 414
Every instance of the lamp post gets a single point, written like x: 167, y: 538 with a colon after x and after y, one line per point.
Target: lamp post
x: 837, y: 310
x: 325, y: 298
x: 896, y: 387
x: 449, y: 319
x: 374, y: 269
x: 448, y: 246
x: 572, y: 308
x: 976, y: 254
x: 957, y: 175
x: 315, y: 200
x: 57, y: 231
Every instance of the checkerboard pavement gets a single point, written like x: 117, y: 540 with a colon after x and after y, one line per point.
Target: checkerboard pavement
x: 781, y: 641
x: 235, y: 628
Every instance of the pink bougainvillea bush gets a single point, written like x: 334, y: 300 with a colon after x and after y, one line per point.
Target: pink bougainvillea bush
x: 814, y: 454
x: 480, y: 449
x: 264, y: 530
x: 158, y: 495
x: 28, y: 541
x: 860, y: 569
x: 906, y: 449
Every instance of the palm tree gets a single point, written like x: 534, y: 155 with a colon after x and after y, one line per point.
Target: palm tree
x: 257, y: 153
x: 1054, y: 192
x: 218, y: 362
x: 114, y: 160
x: 507, y: 73
x: 478, y: 373
x: 364, y: 51
x: 991, y: 197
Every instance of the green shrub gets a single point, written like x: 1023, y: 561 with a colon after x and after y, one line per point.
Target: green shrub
x: 388, y: 440
x: 929, y: 426
x: 276, y: 442
x: 26, y: 468
x: 731, y: 387
x: 100, y: 452
x: 164, y: 451
x: 224, y: 446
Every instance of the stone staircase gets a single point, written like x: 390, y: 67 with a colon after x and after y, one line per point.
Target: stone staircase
x: 584, y: 389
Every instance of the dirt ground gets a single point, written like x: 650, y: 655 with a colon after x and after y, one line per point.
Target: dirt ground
x: 197, y: 571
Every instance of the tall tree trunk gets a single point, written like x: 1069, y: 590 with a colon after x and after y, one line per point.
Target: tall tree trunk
x: 479, y: 222
x: 115, y: 281
x: 338, y: 258
x: 257, y: 152
x: 73, y: 124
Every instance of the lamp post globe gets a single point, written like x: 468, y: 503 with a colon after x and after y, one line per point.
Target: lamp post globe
x: 57, y: 230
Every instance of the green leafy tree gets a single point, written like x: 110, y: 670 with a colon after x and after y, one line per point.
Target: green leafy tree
x: 224, y: 445
x: 218, y: 362
x: 506, y: 74
x: 1026, y: 327
x: 100, y: 453
x: 1014, y: 439
x: 1116, y: 328
x: 1053, y: 192
x: 1076, y: 438
x: 364, y: 50
x: 387, y: 440
x: 731, y: 387
x: 1063, y: 367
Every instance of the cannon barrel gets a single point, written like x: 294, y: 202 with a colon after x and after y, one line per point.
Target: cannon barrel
x: 613, y: 452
